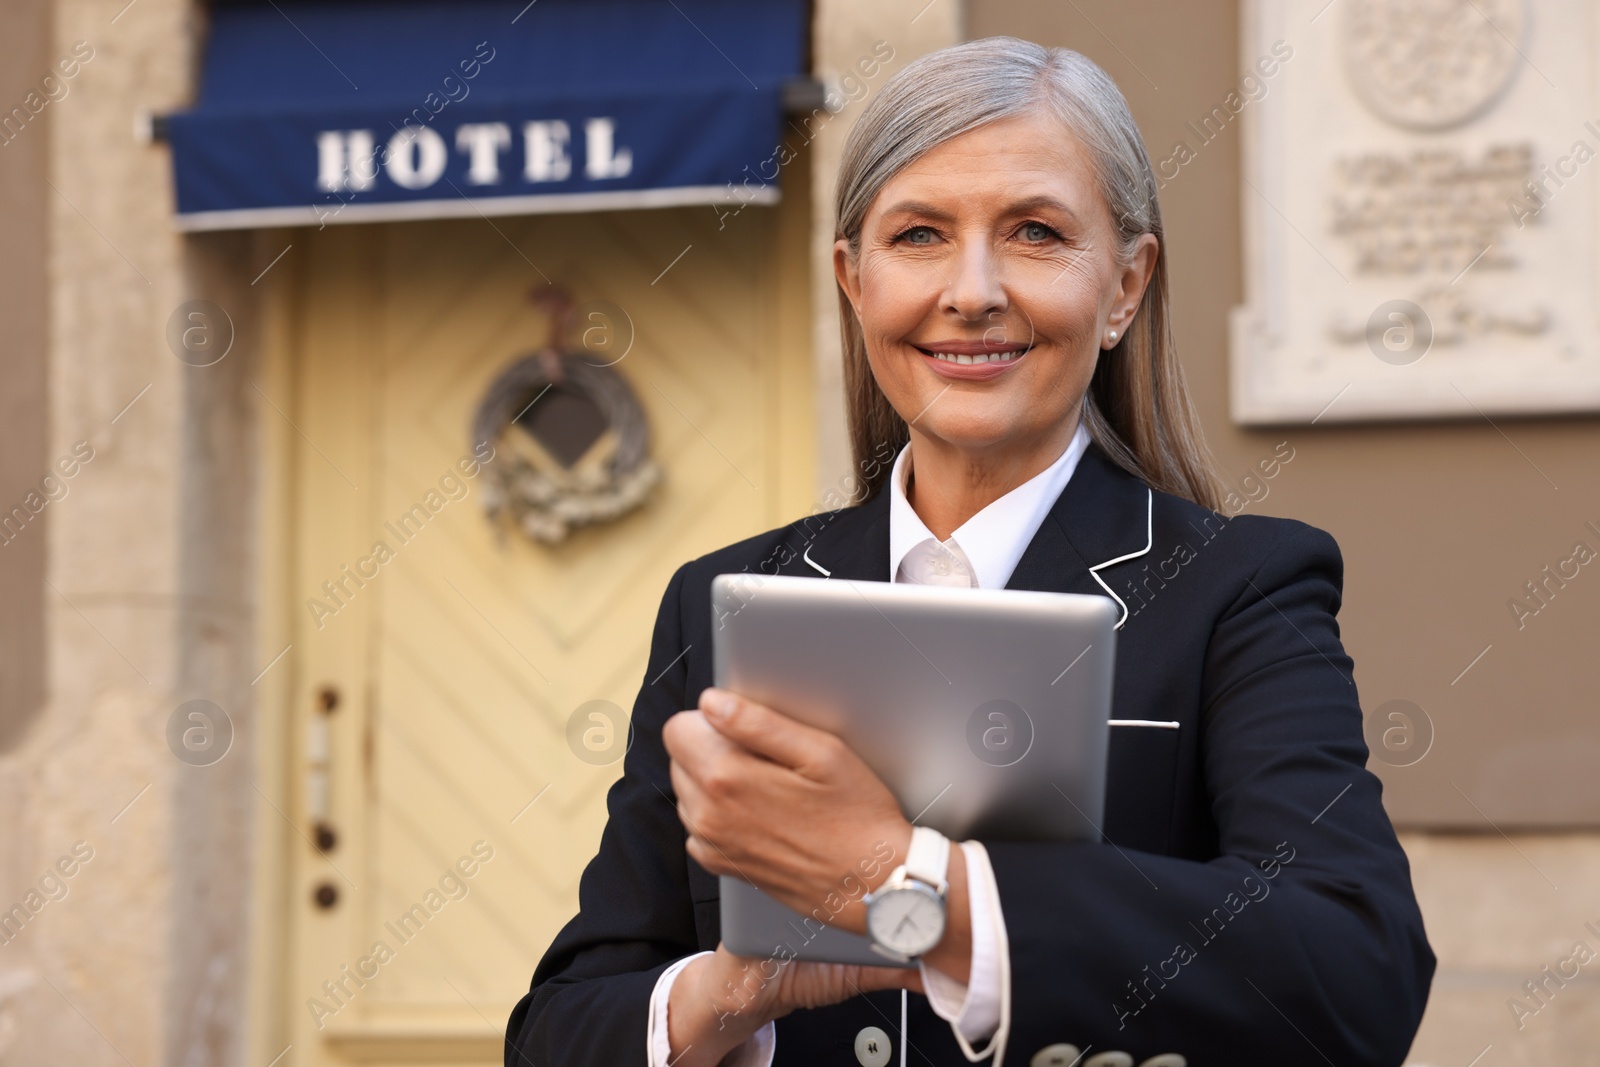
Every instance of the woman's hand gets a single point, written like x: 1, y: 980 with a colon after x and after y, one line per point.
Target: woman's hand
x: 719, y: 1001
x: 792, y: 810
x: 784, y: 806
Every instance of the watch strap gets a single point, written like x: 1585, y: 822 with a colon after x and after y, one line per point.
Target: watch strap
x: 928, y: 858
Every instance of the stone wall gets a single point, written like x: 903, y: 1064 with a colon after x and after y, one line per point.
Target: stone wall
x: 1499, y: 910
x: 141, y: 959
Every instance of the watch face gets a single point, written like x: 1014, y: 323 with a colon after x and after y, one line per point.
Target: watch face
x: 908, y: 920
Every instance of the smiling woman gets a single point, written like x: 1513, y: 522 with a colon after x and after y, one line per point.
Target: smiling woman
x: 1003, y: 301
x: 1073, y: 236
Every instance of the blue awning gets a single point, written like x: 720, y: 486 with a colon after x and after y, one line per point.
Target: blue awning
x: 360, y: 110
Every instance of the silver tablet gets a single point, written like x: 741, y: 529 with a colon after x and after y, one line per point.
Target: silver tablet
x: 983, y: 710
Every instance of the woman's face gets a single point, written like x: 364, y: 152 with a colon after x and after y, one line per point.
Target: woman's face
x: 987, y: 283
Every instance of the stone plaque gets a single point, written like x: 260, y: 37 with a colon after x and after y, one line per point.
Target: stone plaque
x: 1420, y: 211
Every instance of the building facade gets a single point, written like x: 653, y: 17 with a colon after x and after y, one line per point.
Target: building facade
x: 275, y: 795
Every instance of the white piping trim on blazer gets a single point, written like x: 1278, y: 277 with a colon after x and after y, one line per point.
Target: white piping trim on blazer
x: 1149, y: 528
x: 1150, y: 540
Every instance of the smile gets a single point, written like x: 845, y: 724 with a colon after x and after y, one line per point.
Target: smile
x: 981, y: 357
x: 979, y: 361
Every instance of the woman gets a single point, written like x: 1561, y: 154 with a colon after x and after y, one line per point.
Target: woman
x: 1005, y: 319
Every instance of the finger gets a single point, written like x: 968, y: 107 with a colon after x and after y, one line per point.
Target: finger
x: 684, y: 788
x: 708, y: 854
x: 695, y: 744
x: 766, y: 732
x: 703, y: 854
x: 682, y: 731
x: 694, y: 813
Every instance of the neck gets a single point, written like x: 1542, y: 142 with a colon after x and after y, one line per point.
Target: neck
x: 949, y: 484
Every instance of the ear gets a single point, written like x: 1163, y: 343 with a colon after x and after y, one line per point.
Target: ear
x: 1133, y: 281
x: 847, y: 273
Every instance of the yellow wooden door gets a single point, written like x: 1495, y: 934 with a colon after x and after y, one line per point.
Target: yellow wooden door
x: 434, y: 681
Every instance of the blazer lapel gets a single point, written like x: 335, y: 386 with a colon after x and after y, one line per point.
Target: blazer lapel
x: 1051, y: 563
x: 853, y: 543
x: 1101, y: 519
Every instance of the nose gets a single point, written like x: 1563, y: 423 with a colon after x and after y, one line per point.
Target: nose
x: 975, y: 292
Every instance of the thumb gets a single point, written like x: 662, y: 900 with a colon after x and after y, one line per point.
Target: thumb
x: 761, y: 730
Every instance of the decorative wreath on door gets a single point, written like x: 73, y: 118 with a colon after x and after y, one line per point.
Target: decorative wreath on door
x: 571, y: 444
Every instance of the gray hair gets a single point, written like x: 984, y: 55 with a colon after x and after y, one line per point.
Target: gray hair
x: 1137, y: 410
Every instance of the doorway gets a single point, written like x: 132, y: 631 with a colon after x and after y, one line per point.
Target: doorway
x: 442, y: 817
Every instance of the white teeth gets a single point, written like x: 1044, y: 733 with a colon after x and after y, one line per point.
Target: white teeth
x: 996, y: 357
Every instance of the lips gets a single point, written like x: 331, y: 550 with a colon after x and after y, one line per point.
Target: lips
x: 971, y: 361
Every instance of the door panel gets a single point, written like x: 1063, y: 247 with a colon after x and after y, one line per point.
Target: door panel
x: 462, y: 817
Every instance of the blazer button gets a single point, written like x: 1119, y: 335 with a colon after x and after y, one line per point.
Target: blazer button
x: 1166, y: 1059
x: 1056, y: 1056
x: 872, y: 1047
x: 1109, y: 1059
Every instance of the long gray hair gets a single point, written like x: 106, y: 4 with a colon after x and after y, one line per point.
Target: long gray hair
x: 1137, y: 409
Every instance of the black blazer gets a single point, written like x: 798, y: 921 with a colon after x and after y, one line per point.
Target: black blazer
x: 1249, y: 903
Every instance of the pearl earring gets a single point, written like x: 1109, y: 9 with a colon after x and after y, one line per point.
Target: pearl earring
x: 1111, y: 335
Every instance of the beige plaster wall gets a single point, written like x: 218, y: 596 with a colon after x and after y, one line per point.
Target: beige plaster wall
x: 1499, y: 912
x: 26, y: 53
x: 109, y: 974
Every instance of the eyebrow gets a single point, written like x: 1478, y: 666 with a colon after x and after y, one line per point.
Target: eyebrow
x: 918, y: 207
x: 1034, y: 203
x: 1024, y: 206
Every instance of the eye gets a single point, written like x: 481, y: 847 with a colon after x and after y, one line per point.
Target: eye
x: 1037, y: 232
x: 916, y: 235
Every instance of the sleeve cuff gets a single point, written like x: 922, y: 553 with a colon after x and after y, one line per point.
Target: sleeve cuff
x: 980, y: 1009
x: 757, y: 1051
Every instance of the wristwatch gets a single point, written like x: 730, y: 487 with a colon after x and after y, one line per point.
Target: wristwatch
x: 906, y: 915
